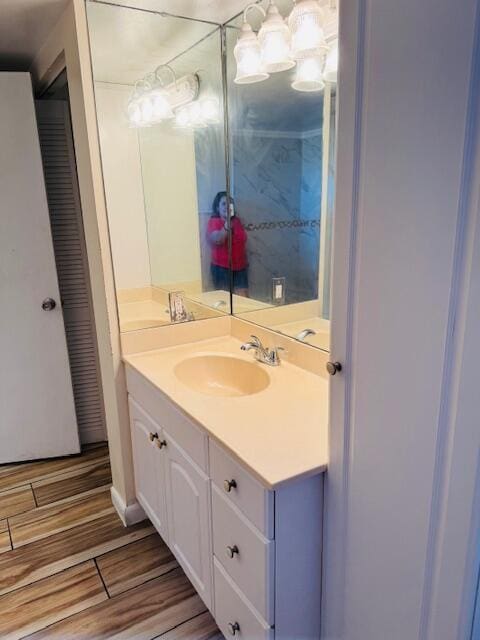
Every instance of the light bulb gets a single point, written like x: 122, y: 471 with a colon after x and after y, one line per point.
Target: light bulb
x: 331, y: 66
x: 146, y: 109
x: 274, y: 41
x: 309, y: 75
x: 248, y: 57
x: 305, y: 23
x: 182, y: 119
x: 161, y: 108
x: 134, y: 114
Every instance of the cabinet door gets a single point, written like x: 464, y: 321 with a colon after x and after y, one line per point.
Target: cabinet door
x: 148, y: 464
x: 188, y: 507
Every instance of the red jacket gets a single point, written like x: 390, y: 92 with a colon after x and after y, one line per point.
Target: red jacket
x: 239, y: 241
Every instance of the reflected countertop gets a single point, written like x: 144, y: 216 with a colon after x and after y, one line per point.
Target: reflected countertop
x: 280, y: 433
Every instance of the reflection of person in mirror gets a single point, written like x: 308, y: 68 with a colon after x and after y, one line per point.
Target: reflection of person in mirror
x: 217, y: 236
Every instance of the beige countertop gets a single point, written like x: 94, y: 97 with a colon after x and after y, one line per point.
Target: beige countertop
x: 280, y: 433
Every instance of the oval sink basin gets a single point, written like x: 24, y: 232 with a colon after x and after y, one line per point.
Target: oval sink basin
x: 222, y: 376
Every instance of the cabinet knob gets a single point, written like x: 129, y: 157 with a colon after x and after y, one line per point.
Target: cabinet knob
x: 333, y: 367
x: 228, y: 485
x: 231, y: 551
x: 153, y: 436
x: 233, y: 627
x: 161, y: 444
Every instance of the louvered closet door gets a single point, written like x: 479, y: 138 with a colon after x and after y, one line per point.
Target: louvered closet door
x: 70, y: 255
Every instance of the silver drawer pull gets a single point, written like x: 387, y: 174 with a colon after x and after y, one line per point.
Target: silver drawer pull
x: 228, y: 485
x: 233, y: 627
x: 153, y: 436
x: 161, y: 444
x: 231, y: 551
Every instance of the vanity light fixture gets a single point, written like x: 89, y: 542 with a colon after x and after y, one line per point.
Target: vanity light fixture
x: 306, y: 26
x: 274, y: 40
x: 247, y: 52
x: 308, y: 37
x: 198, y: 114
x: 309, y: 74
x: 153, y: 100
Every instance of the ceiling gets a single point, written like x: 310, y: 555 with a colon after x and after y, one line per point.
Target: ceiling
x: 24, y: 26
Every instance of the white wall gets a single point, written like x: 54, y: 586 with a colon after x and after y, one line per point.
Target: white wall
x: 122, y: 174
x: 403, y: 479
x: 68, y: 45
x: 170, y: 184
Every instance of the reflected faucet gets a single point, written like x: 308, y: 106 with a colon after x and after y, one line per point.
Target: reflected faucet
x: 303, y: 334
x: 219, y: 303
x: 263, y: 354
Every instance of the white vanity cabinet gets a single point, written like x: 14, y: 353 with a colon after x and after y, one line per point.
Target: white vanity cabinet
x: 188, y: 507
x: 253, y: 554
x: 147, y: 438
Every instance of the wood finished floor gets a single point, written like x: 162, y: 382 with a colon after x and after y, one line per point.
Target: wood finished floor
x: 70, y: 570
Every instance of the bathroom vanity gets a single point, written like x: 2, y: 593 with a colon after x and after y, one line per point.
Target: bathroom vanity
x: 232, y: 479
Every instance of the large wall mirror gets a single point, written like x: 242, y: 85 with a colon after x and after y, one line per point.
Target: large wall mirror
x: 188, y: 243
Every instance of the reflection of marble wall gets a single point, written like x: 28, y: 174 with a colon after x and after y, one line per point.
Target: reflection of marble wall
x: 278, y: 179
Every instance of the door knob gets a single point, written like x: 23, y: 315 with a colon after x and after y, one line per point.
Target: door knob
x: 48, y: 304
x: 333, y: 367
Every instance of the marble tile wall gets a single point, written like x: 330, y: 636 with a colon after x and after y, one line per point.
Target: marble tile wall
x: 277, y: 191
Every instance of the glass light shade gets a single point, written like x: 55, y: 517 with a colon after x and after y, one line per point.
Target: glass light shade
x: 305, y: 23
x: 274, y: 41
x: 248, y: 58
x: 309, y: 75
x: 161, y: 108
x: 331, y: 66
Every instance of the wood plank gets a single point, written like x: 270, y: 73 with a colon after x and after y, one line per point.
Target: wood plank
x: 59, y: 516
x: 5, y: 544
x: 135, y: 563
x: 26, y: 472
x: 73, y: 482
x: 142, y: 613
x: 16, y: 501
x: 45, y: 602
x: 45, y: 557
x: 202, y: 627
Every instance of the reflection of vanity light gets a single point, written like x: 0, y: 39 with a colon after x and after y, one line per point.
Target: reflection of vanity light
x: 161, y: 109
x: 331, y: 65
x: 274, y: 41
x: 309, y: 75
x: 248, y: 55
x: 310, y: 31
x: 305, y: 24
x: 198, y: 114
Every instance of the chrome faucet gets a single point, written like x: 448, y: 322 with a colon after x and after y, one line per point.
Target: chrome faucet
x: 303, y: 334
x: 263, y: 354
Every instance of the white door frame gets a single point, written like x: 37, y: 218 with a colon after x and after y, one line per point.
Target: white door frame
x: 452, y: 562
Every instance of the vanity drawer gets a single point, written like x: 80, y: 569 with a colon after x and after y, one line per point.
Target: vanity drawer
x: 233, y: 613
x: 246, y: 555
x: 242, y: 489
x: 190, y: 437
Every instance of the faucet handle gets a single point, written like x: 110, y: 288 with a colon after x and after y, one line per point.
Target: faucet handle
x: 256, y: 340
x: 274, y: 354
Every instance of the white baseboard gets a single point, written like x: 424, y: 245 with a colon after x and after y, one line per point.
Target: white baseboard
x: 129, y: 514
